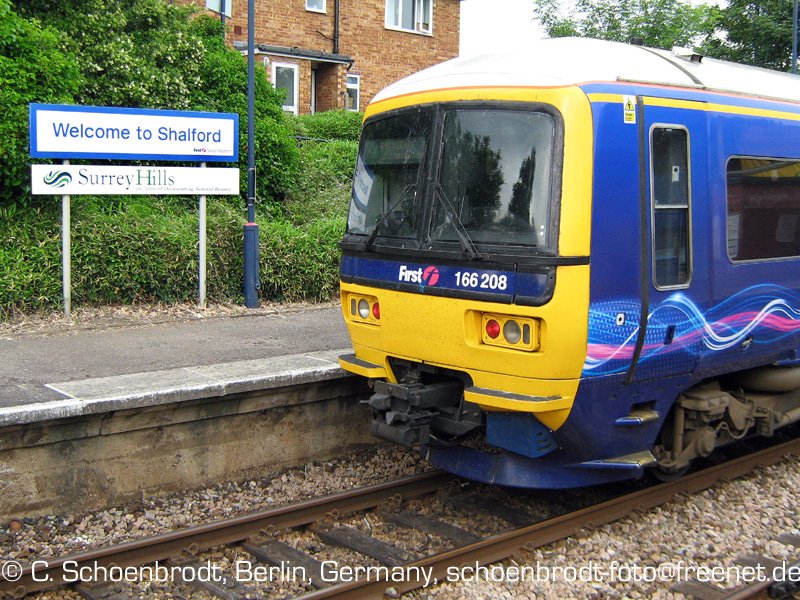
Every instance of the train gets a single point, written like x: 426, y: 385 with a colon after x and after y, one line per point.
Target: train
x: 576, y: 263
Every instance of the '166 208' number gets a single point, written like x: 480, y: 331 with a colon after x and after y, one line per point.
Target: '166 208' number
x: 481, y: 281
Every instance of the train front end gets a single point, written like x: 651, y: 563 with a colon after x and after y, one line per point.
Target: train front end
x: 465, y: 274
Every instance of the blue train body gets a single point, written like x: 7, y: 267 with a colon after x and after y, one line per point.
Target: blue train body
x: 692, y: 324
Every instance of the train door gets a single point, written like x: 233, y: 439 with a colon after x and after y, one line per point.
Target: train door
x: 673, y: 135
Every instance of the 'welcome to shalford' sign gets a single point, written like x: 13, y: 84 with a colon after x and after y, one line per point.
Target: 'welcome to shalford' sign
x: 68, y: 131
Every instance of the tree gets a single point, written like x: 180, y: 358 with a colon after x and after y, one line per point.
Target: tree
x: 153, y: 54
x: 519, y: 208
x: 659, y: 23
x: 485, y: 177
x: 222, y: 87
x: 757, y: 33
x: 33, y: 68
x: 134, y: 54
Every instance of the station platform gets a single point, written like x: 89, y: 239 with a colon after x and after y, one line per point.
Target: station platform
x: 78, y: 371
x: 94, y: 414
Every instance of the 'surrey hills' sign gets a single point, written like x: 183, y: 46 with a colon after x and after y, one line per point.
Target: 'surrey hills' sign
x: 67, y: 131
x: 115, y: 180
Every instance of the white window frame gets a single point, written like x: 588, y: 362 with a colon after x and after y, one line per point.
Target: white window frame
x: 293, y: 104
x: 356, y: 85
x: 317, y: 10
x: 214, y: 6
x: 686, y: 206
x: 313, y: 91
x: 393, y: 18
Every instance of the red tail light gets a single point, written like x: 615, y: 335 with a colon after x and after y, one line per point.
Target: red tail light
x: 492, y: 329
x: 376, y: 311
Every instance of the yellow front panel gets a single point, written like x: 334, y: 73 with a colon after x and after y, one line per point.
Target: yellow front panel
x: 444, y: 332
x: 448, y: 332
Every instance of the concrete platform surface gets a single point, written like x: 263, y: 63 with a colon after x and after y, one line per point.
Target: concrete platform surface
x: 75, y: 372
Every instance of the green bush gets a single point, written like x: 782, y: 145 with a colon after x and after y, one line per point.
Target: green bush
x: 30, y: 257
x: 300, y: 263
x: 330, y: 125
x: 144, y: 249
x: 333, y: 161
x: 123, y: 250
x: 323, y: 186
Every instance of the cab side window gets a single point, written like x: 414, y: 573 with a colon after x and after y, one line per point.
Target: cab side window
x: 670, y: 202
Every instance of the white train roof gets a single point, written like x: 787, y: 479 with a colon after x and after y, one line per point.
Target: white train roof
x: 572, y: 61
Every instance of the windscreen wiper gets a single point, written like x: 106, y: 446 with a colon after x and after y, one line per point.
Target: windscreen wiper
x: 466, y: 242
x: 382, y: 221
x: 374, y: 233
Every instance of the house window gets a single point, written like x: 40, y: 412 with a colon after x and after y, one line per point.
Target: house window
x: 285, y: 77
x: 669, y: 172
x: 410, y: 15
x: 353, y: 92
x: 216, y: 6
x: 315, y: 5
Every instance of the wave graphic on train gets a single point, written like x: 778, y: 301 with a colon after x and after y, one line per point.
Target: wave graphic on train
x: 772, y: 310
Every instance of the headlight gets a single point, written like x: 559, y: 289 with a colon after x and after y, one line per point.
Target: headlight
x: 512, y: 331
x: 363, y: 309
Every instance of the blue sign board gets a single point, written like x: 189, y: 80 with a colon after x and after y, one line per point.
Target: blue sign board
x: 70, y: 131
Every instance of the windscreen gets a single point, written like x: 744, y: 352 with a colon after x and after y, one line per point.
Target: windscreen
x: 442, y: 175
x: 495, y: 173
x: 386, y: 186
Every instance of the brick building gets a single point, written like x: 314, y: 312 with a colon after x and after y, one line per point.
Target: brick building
x: 337, y: 54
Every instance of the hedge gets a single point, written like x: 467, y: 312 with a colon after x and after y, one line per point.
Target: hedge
x: 145, y: 250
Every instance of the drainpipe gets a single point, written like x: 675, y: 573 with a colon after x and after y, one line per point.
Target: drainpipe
x: 336, y: 27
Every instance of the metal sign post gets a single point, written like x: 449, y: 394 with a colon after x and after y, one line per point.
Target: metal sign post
x: 66, y: 251
x: 201, y: 259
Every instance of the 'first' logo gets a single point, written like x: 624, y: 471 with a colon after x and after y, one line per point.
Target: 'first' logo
x: 426, y: 276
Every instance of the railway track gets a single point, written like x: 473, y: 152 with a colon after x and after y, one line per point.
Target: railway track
x: 381, y: 566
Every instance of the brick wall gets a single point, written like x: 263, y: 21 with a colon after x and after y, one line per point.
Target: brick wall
x: 330, y: 87
x: 381, y: 56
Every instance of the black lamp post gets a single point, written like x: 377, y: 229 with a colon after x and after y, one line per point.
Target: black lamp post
x: 794, y: 38
x: 251, y: 279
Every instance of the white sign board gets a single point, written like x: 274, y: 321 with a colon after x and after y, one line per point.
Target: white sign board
x: 122, y: 181
x: 69, y: 131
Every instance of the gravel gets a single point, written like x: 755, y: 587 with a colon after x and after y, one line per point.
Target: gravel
x: 643, y: 556
x: 704, y: 531
x: 29, y: 539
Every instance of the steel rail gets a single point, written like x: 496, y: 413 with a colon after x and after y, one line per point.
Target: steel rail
x: 483, y: 552
x: 162, y: 547
x: 525, y: 539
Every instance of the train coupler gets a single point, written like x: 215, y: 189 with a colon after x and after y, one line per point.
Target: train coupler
x: 403, y: 412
